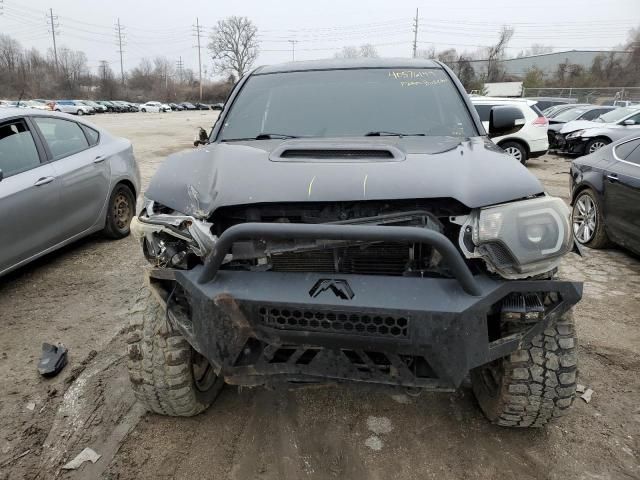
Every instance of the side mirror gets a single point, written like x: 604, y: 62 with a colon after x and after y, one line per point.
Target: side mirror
x: 201, y: 137
x: 629, y: 122
x: 505, y: 120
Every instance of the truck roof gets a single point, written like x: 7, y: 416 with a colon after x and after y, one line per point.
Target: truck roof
x: 349, y: 63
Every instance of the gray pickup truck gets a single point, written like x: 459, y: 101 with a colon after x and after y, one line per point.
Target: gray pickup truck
x: 352, y: 221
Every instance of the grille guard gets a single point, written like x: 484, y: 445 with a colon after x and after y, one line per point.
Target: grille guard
x: 273, y: 231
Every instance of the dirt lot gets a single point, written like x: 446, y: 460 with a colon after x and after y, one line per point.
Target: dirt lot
x: 82, y: 295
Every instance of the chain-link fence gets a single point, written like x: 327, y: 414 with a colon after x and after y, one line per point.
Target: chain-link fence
x: 596, y: 95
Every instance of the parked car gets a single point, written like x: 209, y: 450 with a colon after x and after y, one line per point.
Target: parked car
x: 316, y: 239
x: 153, y: 107
x: 530, y: 141
x: 188, y: 106
x: 624, y: 103
x: 546, y: 102
x: 556, y: 110
x: 165, y: 107
x: 60, y: 179
x: 605, y: 194
x: 202, y: 106
x: 111, y: 107
x: 95, y: 105
x: 217, y: 106
x: 176, y: 107
x: 133, y: 107
x: 69, y: 106
x: 584, y: 137
x: 591, y: 112
x: 92, y: 109
x: 41, y: 104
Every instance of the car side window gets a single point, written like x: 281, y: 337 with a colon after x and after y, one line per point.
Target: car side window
x: 92, y: 135
x: 624, y: 149
x: 593, y: 114
x: 64, y: 137
x: 18, y: 150
x: 634, y: 156
x: 635, y: 118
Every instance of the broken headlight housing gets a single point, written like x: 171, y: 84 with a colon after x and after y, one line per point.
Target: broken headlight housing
x: 576, y: 134
x: 519, y: 239
x: 171, y: 239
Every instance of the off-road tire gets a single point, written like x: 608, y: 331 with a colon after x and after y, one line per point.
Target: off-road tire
x: 160, y: 364
x: 534, y: 384
x: 600, y: 239
x: 116, y: 226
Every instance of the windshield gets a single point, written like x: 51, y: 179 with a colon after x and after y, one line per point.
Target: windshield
x: 616, y: 115
x: 569, y: 115
x: 336, y: 103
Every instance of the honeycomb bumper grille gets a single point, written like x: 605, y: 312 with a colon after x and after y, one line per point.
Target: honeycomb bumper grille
x: 335, y: 322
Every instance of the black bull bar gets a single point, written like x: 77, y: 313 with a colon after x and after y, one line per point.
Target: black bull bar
x: 440, y: 323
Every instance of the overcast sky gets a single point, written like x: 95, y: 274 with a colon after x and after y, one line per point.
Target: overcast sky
x: 321, y: 28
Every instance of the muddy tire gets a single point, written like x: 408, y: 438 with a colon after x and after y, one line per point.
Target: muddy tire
x: 532, y: 385
x: 163, y: 366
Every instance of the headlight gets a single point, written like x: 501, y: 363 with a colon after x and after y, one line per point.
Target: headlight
x: 519, y: 239
x: 576, y: 134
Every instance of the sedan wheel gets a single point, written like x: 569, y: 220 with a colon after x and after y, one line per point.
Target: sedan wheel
x: 596, y: 144
x: 587, y: 221
x: 80, y: 112
x: 516, y: 150
x: 121, y: 209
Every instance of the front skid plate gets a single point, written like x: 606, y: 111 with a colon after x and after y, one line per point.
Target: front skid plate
x: 256, y: 327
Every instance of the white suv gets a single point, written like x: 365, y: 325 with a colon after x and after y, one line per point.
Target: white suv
x: 531, y: 140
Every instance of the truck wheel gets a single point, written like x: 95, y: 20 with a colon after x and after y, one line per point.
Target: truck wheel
x: 168, y: 376
x: 534, y: 384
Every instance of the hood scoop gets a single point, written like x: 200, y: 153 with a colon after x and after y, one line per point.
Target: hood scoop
x: 338, y: 152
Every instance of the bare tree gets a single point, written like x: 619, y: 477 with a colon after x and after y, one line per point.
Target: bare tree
x: 495, y: 54
x: 348, y: 52
x: 368, y: 51
x: 234, y: 45
x: 364, y: 51
x: 427, y: 53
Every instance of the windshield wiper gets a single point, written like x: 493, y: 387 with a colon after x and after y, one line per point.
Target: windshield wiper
x: 261, y: 136
x: 382, y: 133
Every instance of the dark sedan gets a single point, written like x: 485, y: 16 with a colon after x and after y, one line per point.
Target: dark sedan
x: 605, y: 193
x: 188, y: 106
x: 557, y: 140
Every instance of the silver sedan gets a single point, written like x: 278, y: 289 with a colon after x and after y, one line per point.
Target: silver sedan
x: 61, y: 179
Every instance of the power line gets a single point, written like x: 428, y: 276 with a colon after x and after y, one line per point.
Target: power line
x: 52, y: 23
x: 120, y: 51
x: 293, y: 49
x: 180, y: 68
x: 415, y: 34
x: 198, y: 34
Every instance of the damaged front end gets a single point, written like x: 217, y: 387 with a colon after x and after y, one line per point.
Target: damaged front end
x: 410, y: 292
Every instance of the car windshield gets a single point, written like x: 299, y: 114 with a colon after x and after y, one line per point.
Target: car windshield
x: 569, y: 115
x: 351, y: 102
x: 617, y: 114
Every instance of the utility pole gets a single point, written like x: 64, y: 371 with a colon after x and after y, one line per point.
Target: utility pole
x: 198, y: 33
x: 415, y: 34
x: 120, y: 51
x: 179, y: 67
x: 52, y: 23
x: 293, y: 49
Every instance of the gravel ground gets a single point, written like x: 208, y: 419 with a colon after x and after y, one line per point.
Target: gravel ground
x: 82, y: 294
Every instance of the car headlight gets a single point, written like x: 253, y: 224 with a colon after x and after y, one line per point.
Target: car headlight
x: 519, y: 239
x: 576, y: 134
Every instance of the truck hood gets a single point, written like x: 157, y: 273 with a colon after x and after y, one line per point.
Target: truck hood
x: 473, y: 171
